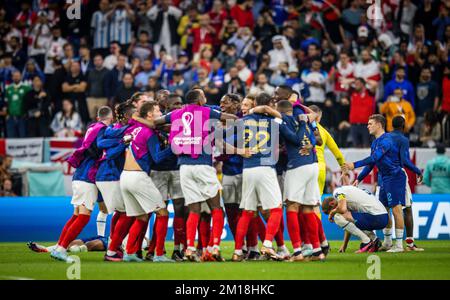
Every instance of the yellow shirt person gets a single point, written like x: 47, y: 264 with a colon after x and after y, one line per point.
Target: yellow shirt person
x: 331, y: 144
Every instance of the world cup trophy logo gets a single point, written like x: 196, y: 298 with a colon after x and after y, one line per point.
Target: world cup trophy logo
x: 187, y: 119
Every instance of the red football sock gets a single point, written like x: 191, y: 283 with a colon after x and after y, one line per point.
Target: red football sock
x: 293, y: 229
x: 204, y: 231
x: 136, y: 236
x: 232, y: 217
x: 303, y: 229
x: 120, y: 232
x: 242, y: 227
x: 161, y: 229
x: 279, y: 237
x: 75, y: 229
x: 66, y: 228
x: 114, y: 220
x: 312, y: 229
x: 178, y: 228
x: 261, y: 228
x: 191, y: 228
x: 152, y: 245
x: 322, y: 236
x: 217, y: 226
x: 252, y: 234
x: 273, y: 223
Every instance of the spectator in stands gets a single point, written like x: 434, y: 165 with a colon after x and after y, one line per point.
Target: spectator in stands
x: 7, y: 189
x: 153, y: 84
x: 74, y: 88
x: 235, y: 85
x: 242, y: 13
x: 54, y: 50
x: 144, y: 23
x: 400, y: 82
x: 228, y: 56
x: 99, y: 28
x: 437, y: 172
x: 54, y: 84
x: 31, y: 70
x: 342, y: 74
x: 398, y: 105
x: 211, y: 91
x: 113, y: 58
x: 342, y: 120
x: 178, y: 86
x: 368, y: 69
x: 362, y: 106
x: 114, y: 77
x: 262, y: 85
x: 19, y: 57
x: 85, y: 60
x: 316, y: 79
x: 5, y: 166
x: 142, y: 77
x: 125, y: 90
x: 243, y: 40
x: 445, y: 103
x: 217, y: 74
x: 430, y: 130
x: 15, y: 100
x: 38, y: 110
x: 40, y: 33
x: 142, y: 48
x: 281, y: 53
x: 427, y: 95
x: 187, y: 23
x: 120, y: 18
x: 165, y: 19
x: 96, y: 86
x: 351, y: 17
x: 67, y: 122
x: 6, y: 70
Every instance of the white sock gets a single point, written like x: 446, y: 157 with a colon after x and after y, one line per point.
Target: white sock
x: 399, y: 238
x: 370, y: 234
x: 324, y: 243
x: 110, y: 253
x: 51, y: 248
x: 351, y: 228
x: 282, y: 248
x: 244, y: 248
x: 410, y: 241
x: 101, y: 223
x: 387, y: 235
x: 238, y: 252
x: 267, y: 244
x: 297, y: 250
x: 253, y: 249
x: 60, y: 249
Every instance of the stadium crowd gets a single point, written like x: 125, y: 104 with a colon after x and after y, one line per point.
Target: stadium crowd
x: 55, y: 72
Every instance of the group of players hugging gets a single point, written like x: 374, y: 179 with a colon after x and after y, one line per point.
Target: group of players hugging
x: 249, y: 158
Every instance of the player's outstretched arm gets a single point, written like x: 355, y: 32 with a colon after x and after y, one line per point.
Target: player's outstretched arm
x: 347, y: 236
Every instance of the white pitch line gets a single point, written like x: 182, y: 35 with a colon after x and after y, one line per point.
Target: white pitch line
x: 16, y: 278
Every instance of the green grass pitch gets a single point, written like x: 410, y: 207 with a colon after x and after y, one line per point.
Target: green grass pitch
x: 18, y: 262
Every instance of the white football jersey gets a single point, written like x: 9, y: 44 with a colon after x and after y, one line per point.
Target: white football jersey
x: 359, y: 200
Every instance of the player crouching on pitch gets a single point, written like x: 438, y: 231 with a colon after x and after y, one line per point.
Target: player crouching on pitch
x: 357, y: 212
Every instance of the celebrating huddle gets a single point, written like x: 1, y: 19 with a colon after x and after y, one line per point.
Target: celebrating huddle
x: 270, y: 150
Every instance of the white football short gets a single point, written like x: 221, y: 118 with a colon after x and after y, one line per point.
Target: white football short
x: 84, y: 193
x: 112, y: 195
x: 232, y: 189
x: 168, y: 184
x: 139, y: 193
x: 260, y: 186
x: 198, y: 183
x: 301, y: 185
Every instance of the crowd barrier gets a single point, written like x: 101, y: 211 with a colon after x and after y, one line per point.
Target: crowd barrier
x: 24, y: 219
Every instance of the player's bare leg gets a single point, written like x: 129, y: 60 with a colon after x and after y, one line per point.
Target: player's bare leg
x: 387, y: 232
x: 397, y: 211
x: 409, y: 226
x: 294, y: 230
x: 217, y: 226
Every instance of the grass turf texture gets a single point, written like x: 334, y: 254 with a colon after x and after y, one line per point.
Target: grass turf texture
x: 17, y: 261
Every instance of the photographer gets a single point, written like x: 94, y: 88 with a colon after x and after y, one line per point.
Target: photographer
x: 37, y: 107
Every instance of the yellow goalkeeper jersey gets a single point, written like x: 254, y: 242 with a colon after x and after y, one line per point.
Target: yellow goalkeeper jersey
x: 331, y: 144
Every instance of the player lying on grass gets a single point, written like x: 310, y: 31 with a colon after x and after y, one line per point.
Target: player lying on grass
x: 96, y: 243
x: 359, y: 213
